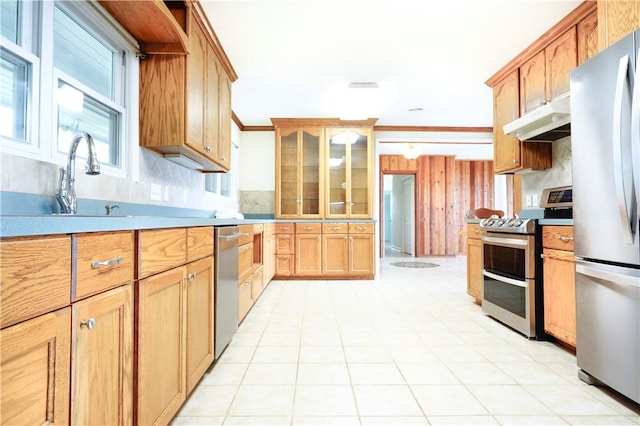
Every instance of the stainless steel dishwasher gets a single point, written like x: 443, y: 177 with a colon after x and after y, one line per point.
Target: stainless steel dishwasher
x: 226, y: 286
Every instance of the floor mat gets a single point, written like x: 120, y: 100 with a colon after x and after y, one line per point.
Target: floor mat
x: 414, y: 264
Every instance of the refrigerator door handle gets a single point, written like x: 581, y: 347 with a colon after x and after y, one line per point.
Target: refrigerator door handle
x: 591, y: 270
x: 635, y: 131
x: 618, y: 178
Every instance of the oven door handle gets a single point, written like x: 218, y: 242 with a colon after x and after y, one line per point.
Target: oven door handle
x: 506, y: 242
x: 504, y: 279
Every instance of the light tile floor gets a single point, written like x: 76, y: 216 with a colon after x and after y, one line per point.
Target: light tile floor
x: 409, y: 348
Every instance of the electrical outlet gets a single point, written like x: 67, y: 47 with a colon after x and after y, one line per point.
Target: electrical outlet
x: 534, y: 200
x: 528, y: 200
x: 156, y: 192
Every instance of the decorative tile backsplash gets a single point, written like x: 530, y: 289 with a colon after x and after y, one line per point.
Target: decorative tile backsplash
x: 559, y: 174
x: 257, y: 202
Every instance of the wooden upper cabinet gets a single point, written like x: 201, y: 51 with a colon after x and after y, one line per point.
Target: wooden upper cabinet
x: 506, y: 150
x: 587, y: 35
x: 533, y: 89
x: 196, y: 86
x: 298, y: 172
x: 560, y: 58
x: 616, y: 19
x: 157, y: 25
x: 545, y: 76
x: 185, y: 100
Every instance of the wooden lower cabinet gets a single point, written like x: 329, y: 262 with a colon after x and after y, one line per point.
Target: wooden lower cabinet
x: 361, y: 260
x: 559, y: 283
x: 474, y: 262
x: 335, y: 254
x: 34, y: 370
x: 244, y: 298
x: 161, y: 384
x: 308, y: 255
x: 200, y: 315
x: 102, y: 359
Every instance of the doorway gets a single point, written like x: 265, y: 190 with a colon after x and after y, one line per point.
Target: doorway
x: 398, y: 215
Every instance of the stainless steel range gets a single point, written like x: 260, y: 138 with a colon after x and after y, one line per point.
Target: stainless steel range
x: 513, y: 274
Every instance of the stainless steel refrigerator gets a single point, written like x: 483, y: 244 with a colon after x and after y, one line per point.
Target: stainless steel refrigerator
x: 605, y: 143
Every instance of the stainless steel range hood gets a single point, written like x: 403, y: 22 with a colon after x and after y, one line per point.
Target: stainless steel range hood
x: 548, y: 123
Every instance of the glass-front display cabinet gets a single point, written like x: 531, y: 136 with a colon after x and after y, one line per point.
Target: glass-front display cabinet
x: 324, y: 168
x: 299, y: 189
x: 349, y: 159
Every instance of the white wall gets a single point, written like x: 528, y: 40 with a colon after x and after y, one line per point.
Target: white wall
x: 257, y: 159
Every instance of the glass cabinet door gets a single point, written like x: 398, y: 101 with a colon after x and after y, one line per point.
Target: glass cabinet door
x: 310, y: 179
x: 288, y: 169
x: 298, y: 163
x: 349, y: 167
x: 337, y: 177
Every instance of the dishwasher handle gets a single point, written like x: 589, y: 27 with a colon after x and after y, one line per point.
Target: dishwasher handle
x: 233, y: 236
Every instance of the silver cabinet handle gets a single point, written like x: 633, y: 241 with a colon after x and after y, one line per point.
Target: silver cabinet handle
x: 90, y: 323
x: 360, y: 228
x: 192, y: 277
x: 564, y: 238
x: 308, y: 228
x: 97, y: 264
x: 335, y: 228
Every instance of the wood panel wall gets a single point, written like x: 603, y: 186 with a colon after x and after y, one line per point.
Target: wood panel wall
x: 445, y: 190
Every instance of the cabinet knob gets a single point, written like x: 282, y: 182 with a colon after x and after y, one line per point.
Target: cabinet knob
x: 565, y: 238
x: 207, y: 148
x: 90, y: 323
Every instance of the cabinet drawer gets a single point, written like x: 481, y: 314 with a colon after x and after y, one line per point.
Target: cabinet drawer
x: 284, y: 228
x: 199, y: 242
x: 247, y: 234
x: 160, y: 250
x: 35, y: 277
x: 284, y: 265
x: 335, y: 228
x: 257, y: 284
x: 361, y: 228
x: 104, y: 261
x: 244, y: 299
x: 284, y: 244
x: 558, y: 237
x: 473, y: 231
x: 308, y: 228
x: 245, y: 260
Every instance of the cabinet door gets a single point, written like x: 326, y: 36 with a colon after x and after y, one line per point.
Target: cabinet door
x: 349, y: 180
x: 224, y: 104
x: 298, y: 172
x: 474, y: 268
x: 560, y: 295
x: 361, y: 255
x: 284, y: 265
x: 245, y: 261
x: 587, y: 35
x: 102, y: 360
x: 335, y: 254
x: 196, y: 86
x: 34, y: 370
x: 506, y: 150
x: 212, y: 106
x: 533, y: 91
x: 308, y: 255
x: 200, y: 319
x: 616, y: 18
x: 561, y: 56
x: 161, y: 347
x: 284, y: 244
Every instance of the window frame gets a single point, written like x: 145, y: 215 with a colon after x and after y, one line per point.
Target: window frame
x: 37, y: 32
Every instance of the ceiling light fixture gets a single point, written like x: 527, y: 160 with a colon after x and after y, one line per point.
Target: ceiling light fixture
x: 411, y: 152
x: 335, y: 162
x: 347, y: 137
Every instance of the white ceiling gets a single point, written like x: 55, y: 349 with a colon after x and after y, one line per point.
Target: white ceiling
x: 295, y: 58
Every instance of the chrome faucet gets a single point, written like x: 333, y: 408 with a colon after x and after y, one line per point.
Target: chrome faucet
x: 66, y: 193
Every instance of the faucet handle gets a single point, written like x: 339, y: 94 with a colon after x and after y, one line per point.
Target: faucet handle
x: 109, y: 208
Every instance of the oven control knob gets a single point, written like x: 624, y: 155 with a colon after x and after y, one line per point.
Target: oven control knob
x: 500, y: 222
x: 517, y: 222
